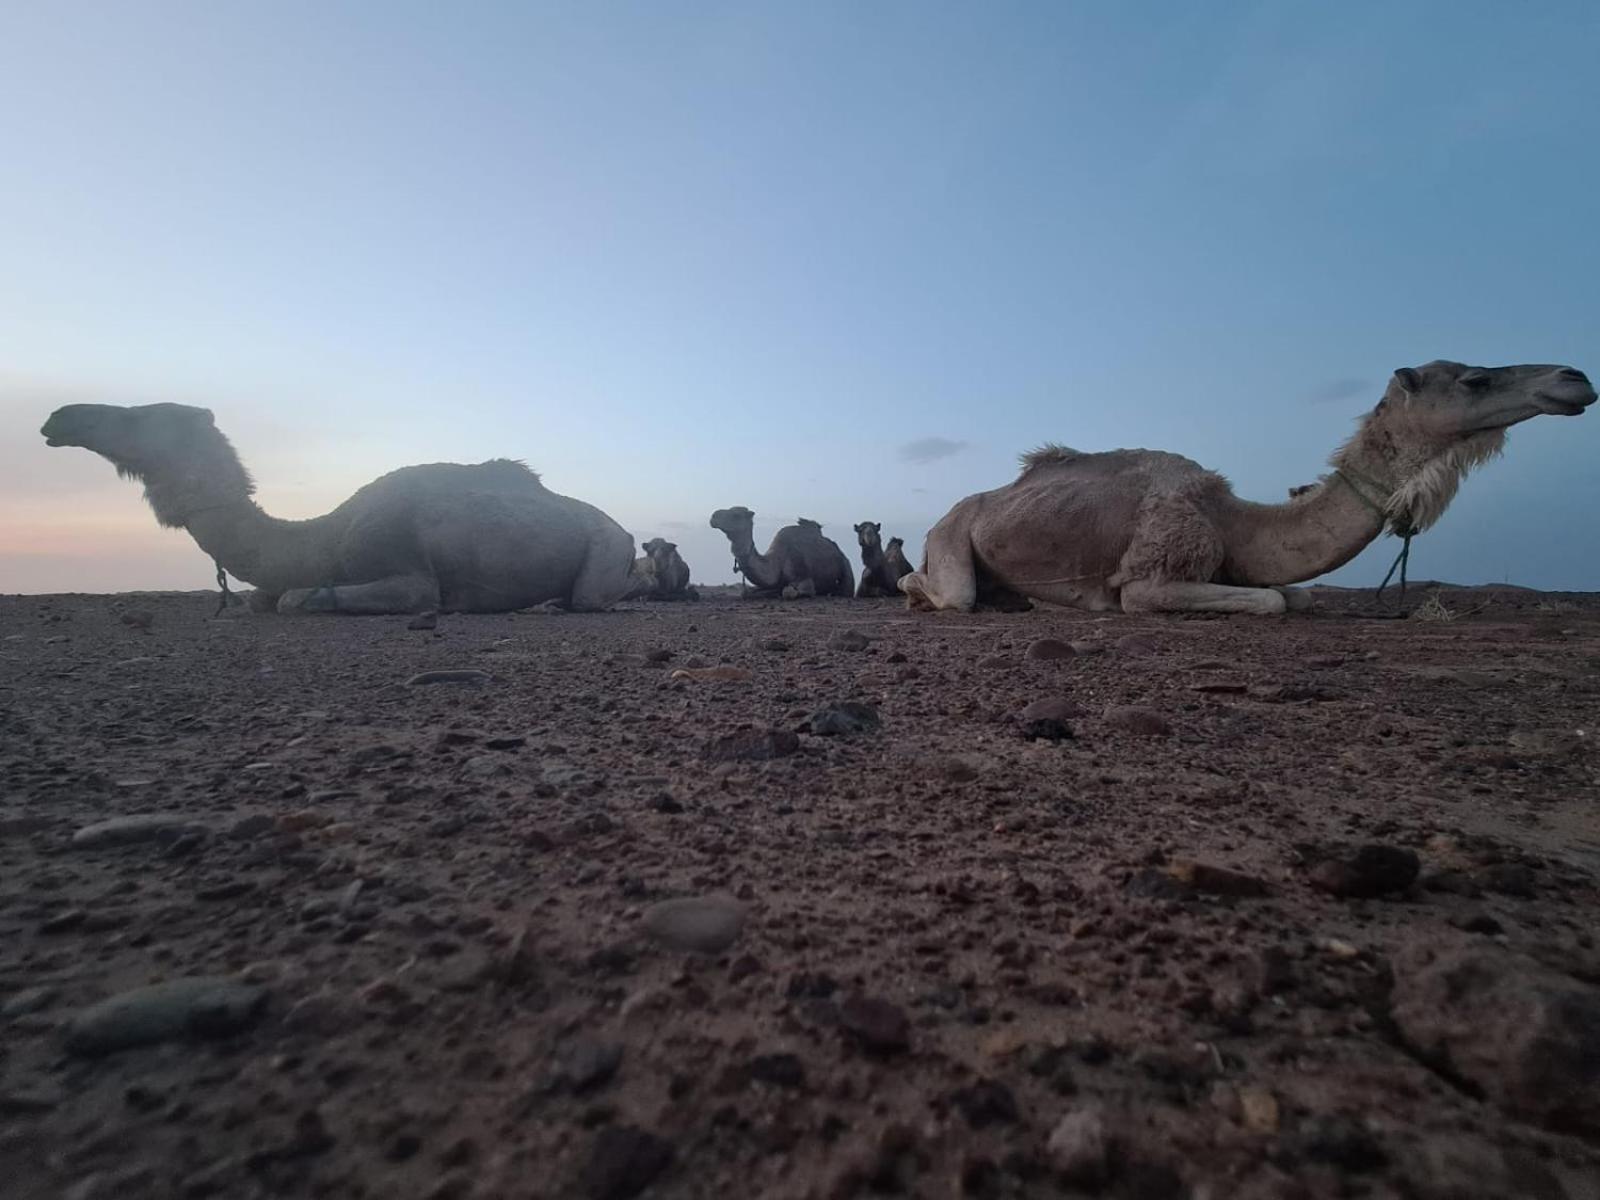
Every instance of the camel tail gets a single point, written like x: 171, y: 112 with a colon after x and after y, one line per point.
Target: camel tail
x: 1047, y: 455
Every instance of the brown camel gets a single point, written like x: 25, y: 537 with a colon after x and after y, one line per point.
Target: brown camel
x: 881, y: 568
x: 799, y: 562
x: 1148, y: 531
x: 484, y: 538
x: 667, y: 572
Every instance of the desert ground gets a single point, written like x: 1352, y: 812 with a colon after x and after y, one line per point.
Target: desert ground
x: 899, y: 904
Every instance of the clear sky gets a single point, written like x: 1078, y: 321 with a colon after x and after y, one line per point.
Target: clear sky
x: 839, y: 260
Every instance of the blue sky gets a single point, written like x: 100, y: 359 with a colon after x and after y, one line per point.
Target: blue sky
x: 680, y: 256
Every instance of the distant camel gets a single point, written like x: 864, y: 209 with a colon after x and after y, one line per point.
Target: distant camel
x: 800, y: 561
x: 1148, y: 531
x: 484, y: 538
x: 664, y: 575
x: 881, y: 568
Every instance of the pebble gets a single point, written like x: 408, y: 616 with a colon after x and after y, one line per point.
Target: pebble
x: 1135, y: 718
x: 125, y: 831
x: 1079, y: 1148
x: 253, y: 826
x: 723, y: 674
x: 197, y: 1006
x: 849, y: 639
x: 1137, y: 644
x: 1047, y: 650
x: 323, y: 1012
x: 996, y: 662
x: 843, y: 719
x: 452, y: 675
x: 27, y: 1001
x: 753, y: 745
x: 1370, y: 871
x: 1216, y: 881
x: 986, y: 1102
x: 878, y: 1027
x: 424, y: 620
x: 697, y: 925
x: 1050, y: 708
x: 303, y: 819
x: 776, y: 645
x: 1528, y: 1036
x: 624, y: 1161
x: 779, y: 1070
x: 583, y: 1063
x: 1258, y: 1109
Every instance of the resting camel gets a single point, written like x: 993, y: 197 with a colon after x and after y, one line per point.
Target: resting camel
x: 800, y: 561
x: 1148, y: 531
x: 484, y: 538
x: 881, y: 568
x: 663, y: 573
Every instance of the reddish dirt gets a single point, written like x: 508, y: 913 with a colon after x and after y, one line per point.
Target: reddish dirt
x: 964, y: 932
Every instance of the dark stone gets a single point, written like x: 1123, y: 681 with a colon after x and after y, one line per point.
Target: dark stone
x: 1371, y: 871
x: 843, y: 719
x: 780, y: 1070
x: 624, y: 1161
x: 753, y: 745
x: 878, y: 1027
x: 986, y: 1102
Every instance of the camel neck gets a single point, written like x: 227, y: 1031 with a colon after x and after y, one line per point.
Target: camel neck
x: 1312, y: 534
x: 252, y: 546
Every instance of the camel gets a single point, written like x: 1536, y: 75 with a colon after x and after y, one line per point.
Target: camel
x: 881, y: 568
x: 664, y: 574
x: 444, y: 536
x: 1148, y: 531
x: 800, y: 561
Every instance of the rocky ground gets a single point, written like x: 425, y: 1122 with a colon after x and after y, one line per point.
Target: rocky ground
x: 822, y: 899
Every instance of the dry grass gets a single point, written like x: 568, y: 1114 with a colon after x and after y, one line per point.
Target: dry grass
x: 1435, y: 609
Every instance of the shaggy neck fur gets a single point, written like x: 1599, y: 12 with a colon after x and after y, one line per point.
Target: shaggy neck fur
x: 206, y: 474
x: 1382, y: 480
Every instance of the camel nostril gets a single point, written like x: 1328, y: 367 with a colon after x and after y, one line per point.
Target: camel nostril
x: 1573, y: 374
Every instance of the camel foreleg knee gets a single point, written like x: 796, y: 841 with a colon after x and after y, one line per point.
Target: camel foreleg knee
x: 1180, y: 596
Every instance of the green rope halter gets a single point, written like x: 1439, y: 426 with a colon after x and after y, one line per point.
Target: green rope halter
x: 1404, y: 532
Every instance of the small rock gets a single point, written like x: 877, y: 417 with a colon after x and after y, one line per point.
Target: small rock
x: 1137, y: 644
x: 1526, y: 1035
x: 878, y: 1027
x: 1258, y: 1109
x: 664, y: 802
x: 753, y: 745
x: 1217, y: 881
x: 658, y: 656
x: 63, y: 922
x: 197, y: 1007
x: 1083, y: 649
x: 424, y: 620
x: 723, y: 674
x: 248, y: 828
x: 228, y: 889
x: 1340, y: 1141
x: 843, y: 719
x: 303, y: 819
x: 1050, y: 708
x: 138, y: 618
x: 1047, y: 650
x: 698, y: 925
x: 1370, y: 871
x: 1225, y: 687
x: 584, y: 1063
x: 512, y: 742
x: 624, y: 1161
x: 126, y: 831
x: 1135, y: 718
x: 996, y: 662
x: 27, y: 1001
x: 780, y: 1070
x: 986, y: 1102
x: 849, y: 639
x: 453, y: 675
x: 1079, y: 1148
x: 776, y: 645
x: 323, y: 1012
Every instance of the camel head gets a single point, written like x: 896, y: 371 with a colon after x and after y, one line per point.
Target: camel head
x: 659, y: 550
x: 1438, y: 421
x: 1447, y: 401
x: 138, y: 439
x: 867, y: 534
x: 893, y: 544
x: 735, y: 521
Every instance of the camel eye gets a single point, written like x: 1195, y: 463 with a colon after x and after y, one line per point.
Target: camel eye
x: 1475, y: 381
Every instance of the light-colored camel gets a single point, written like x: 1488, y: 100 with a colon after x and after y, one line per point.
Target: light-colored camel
x: 799, y: 562
x: 881, y: 568
x: 663, y: 573
x: 483, y: 538
x: 1148, y: 531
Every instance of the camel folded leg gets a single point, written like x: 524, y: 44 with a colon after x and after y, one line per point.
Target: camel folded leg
x: 394, y: 594
x: 949, y: 576
x: 1298, y: 599
x: 1202, y: 597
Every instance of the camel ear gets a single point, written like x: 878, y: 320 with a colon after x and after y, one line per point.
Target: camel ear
x: 1410, y: 382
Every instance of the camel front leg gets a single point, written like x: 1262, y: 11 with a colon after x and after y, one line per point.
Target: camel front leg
x: 1298, y: 599
x: 394, y: 594
x: 1143, y: 597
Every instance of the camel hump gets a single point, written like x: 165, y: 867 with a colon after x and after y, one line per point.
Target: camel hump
x: 1047, y: 455
x: 808, y: 523
x: 510, y: 469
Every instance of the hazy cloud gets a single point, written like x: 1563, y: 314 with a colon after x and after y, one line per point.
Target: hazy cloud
x: 930, y: 449
x: 1338, y: 389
